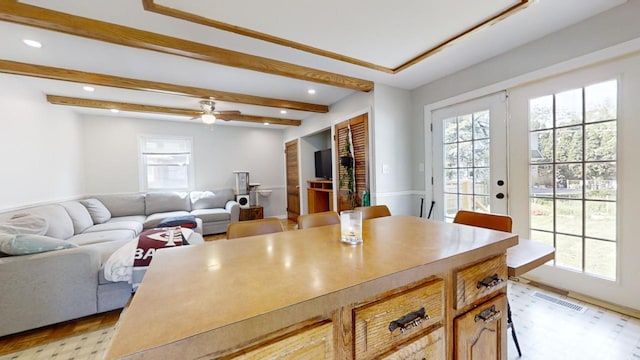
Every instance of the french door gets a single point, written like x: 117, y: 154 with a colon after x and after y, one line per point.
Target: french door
x: 577, y: 177
x: 470, y: 157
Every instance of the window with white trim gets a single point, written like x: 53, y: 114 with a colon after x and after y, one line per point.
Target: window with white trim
x: 166, y: 163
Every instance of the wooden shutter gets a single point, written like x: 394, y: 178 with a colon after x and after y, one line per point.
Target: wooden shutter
x: 360, y: 144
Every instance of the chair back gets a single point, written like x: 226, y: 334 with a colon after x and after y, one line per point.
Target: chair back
x: 318, y: 219
x: 241, y: 229
x: 370, y: 212
x: 483, y: 220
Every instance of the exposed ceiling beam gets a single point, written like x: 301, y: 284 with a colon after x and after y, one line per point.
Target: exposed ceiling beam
x: 13, y: 11
x: 47, y: 72
x: 151, y: 6
x: 103, y: 104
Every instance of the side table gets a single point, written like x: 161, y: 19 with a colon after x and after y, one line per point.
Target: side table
x: 251, y: 213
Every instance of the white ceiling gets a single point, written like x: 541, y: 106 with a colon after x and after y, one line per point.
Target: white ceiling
x: 377, y: 31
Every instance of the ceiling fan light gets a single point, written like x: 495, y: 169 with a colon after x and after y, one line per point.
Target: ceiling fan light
x: 208, y: 119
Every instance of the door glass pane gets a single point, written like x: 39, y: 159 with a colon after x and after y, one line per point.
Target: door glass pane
x: 601, y: 101
x: 600, y: 219
x: 541, y: 145
x: 541, y: 113
x: 600, y: 181
x: 481, y: 125
x: 541, y: 180
x: 600, y: 142
x: 573, y: 176
x: 569, y: 144
x: 541, y: 211
x: 465, y: 154
x: 481, y: 180
x: 600, y: 258
x: 569, y: 107
x: 569, y: 251
x: 569, y: 181
x: 450, y: 129
x: 465, y: 128
x: 569, y: 215
x: 450, y: 205
x: 451, y: 155
x: 481, y: 203
x: 481, y: 152
x: 465, y: 181
x: 466, y: 202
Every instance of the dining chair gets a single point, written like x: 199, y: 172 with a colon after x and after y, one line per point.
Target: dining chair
x: 370, y: 212
x: 241, y: 229
x: 493, y: 222
x: 318, y: 219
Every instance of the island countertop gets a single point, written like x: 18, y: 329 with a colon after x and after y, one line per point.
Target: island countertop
x: 196, y: 300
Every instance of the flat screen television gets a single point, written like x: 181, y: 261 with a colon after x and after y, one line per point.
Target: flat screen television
x: 323, y: 164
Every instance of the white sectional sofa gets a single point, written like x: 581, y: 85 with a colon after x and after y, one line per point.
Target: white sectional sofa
x: 43, y: 288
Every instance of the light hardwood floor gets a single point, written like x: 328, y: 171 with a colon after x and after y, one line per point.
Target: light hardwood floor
x: 31, y: 338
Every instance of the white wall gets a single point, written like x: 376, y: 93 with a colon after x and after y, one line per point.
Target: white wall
x: 40, y: 147
x: 111, y: 155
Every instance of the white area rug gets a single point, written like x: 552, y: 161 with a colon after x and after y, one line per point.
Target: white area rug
x: 87, y: 346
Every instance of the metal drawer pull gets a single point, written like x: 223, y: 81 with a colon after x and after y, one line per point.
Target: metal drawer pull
x: 489, y: 281
x: 408, y: 321
x: 488, y: 315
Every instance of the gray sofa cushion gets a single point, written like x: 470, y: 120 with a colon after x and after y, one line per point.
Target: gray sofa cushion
x: 99, y: 213
x: 102, y: 236
x: 210, y: 215
x: 137, y: 218
x: 116, y: 225
x: 166, y: 201
x: 79, y: 216
x: 60, y: 224
x: 123, y: 204
x: 24, y: 223
x: 154, y: 219
x: 210, y: 199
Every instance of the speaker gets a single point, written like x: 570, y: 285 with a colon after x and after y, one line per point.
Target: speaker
x: 243, y: 200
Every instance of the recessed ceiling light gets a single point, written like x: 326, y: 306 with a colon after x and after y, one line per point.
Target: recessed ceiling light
x: 32, y: 43
x: 266, y: 123
x: 283, y: 111
x: 311, y: 91
x: 115, y: 111
x: 88, y: 88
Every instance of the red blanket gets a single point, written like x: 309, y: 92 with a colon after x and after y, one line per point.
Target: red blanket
x: 153, y: 239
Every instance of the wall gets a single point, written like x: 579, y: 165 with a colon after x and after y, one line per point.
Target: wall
x: 111, y: 155
x: 40, y: 147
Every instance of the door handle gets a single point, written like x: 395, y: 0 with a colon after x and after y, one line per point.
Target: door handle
x: 500, y: 195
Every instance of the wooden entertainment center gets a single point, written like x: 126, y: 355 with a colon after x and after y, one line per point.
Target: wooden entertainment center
x: 320, y: 195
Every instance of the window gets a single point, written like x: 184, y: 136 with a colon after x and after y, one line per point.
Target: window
x: 166, y: 163
x: 573, y: 176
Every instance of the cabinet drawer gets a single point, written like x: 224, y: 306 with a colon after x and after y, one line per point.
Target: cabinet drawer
x: 479, y: 280
x: 313, y: 343
x: 430, y: 346
x: 384, y: 323
x: 481, y: 332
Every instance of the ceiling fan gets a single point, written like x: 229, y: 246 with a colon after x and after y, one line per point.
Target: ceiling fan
x: 209, y: 114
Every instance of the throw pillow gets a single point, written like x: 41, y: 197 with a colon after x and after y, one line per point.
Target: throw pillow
x: 22, y: 244
x: 99, y: 213
x: 24, y: 223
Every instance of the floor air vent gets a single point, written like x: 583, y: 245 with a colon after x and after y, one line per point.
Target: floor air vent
x: 557, y: 301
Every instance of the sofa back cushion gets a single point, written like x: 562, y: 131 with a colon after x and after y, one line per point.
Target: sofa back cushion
x: 123, y: 204
x: 79, y: 214
x: 210, y: 199
x: 99, y: 213
x: 166, y: 202
x: 59, y: 221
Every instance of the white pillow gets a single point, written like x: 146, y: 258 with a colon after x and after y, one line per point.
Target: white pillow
x: 22, y: 244
x: 24, y: 223
x: 99, y: 213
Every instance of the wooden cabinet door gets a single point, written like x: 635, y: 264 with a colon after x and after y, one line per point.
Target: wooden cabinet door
x: 293, y: 180
x: 480, y: 334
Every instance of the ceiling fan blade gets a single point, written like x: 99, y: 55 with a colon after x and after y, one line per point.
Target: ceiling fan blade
x: 227, y: 112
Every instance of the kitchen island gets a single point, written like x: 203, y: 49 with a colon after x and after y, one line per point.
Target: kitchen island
x: 415, y: 288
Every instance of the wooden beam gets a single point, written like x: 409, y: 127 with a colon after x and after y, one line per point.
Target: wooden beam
x: 151, y: 6
x: 103, y: 104
x: 47, y: 72
x: 19, y: 13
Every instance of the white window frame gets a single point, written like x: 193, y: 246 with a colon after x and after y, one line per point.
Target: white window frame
x: 143, y: 140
